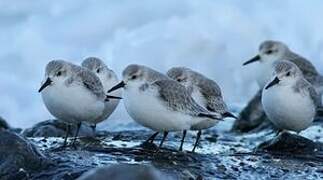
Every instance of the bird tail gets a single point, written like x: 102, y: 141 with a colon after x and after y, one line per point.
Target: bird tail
x: 229, y: 115
x: 211, y: 116
x: 108, y: 97
x: 218, y: 116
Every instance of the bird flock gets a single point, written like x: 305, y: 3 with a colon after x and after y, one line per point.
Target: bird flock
x: 182, y: 99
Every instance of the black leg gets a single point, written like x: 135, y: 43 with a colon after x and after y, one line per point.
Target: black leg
x: 93, y: 127
x: 68, y: 128
x: 77, y: 132
x: 182, y: 142
x: 197, y: 140
x: 152, y: 138
x: 162, y: 141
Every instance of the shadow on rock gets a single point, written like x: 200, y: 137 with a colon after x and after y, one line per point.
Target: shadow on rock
x: 54, y: 128
x: 18, y: 157
x: 125, y: 171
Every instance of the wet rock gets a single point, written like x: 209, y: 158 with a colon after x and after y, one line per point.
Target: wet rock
x: 252, y: 116
x: 124, y: 171
x: 18, y: 157
x: 55, y: 128
x: 291, y: 144
x: 211, y: 161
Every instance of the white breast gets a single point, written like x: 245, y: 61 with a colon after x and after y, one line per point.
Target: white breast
x: 72, y: 104
x: 287, y: 109
x: 146, y: 109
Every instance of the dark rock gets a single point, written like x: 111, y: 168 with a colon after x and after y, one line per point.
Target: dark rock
x: 252, y: 117
x: 149, y: 146
x: 5, y: 125
x: 319, y: 114
x: 55, y: 128
x: 18, y: 157
x: 291, y: 144
x: 212, y: 161
x: 124, y: 171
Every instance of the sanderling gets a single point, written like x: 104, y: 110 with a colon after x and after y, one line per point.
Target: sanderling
x: 272, y: 51
x: 108, y: 79
x: 72, y: 94
x: 163, y: 105
x: 205, y: 92
x: 289, y: 100
x: 150, y: 76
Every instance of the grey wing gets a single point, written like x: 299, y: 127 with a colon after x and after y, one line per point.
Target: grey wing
x: 315, y: 97
x: 209, y: 88
x: 216, y: 104
x: 177, y: 98
x: 211, y: 91
x: 318, y: 84
x: 91, y: 82
x: 304, y: 65
x: 307, y: 86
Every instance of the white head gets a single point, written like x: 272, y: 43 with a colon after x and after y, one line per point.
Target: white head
x: 181, y: 75
x: 57, y: 71
x: 285, y: 73
x: 98, y: 67
x: 269, y: 52
x: 136, y: 75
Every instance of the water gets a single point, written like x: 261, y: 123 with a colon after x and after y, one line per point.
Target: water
x: 213, y: 37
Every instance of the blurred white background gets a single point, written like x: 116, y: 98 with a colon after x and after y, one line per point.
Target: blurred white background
x: 212, y: 36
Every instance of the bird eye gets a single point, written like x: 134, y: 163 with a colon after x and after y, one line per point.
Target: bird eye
x: 59, y: 73
x: 288, y: 74
x: 98, y: 70
x: 133, y: 77
x: 269, y: 52
x: 179, y: 80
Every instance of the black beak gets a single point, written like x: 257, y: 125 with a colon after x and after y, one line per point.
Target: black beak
x: 118, y: 86
x: 228, y: 114
x: 254, y: 59
x: 108, y: 97
x: 47, y: 83
x: 272, y: 83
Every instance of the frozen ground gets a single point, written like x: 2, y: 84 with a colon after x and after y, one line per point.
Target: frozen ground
x: 211, y: 36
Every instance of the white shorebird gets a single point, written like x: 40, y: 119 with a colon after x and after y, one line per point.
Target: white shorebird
x: 289, y: 100
x: 108, y: 79
x: 272, y: 51
x: 163, y: 106
x: 72, y: 94
x: 205, y: 92
x: 150, y: 76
